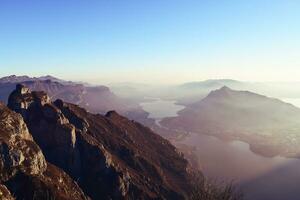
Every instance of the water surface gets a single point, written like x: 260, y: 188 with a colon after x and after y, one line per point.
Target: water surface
x: 261, y: 178
x: 159, y: 108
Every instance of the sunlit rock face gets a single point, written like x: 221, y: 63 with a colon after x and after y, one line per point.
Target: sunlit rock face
x: 5, y: 193
x: 24, y: 172
x: 48, y: 126
x: 18, y: 152
x: 109, y: 156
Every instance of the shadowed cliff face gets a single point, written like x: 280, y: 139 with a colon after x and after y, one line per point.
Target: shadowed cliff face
x: 109, y: 156
x: 24, y: 171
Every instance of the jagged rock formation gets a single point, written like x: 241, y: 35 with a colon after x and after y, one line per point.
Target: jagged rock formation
x: 18, y: 152
x: 5, y: 193
x: 109, y: 156
x: 24, y: 171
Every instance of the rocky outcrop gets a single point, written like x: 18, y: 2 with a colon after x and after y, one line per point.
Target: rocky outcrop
x: 109, y: 156
x: 52, y: 184
x: 18, y: 152
x: 24, y: 171
x: 5, y: 193
x: 48, y: 126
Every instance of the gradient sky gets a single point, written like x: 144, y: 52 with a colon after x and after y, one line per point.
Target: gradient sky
x: 159, y: 41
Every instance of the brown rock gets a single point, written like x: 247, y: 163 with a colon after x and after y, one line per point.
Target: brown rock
x: 5, y: 193
x: 23, y: 168
x: 110, y: 156
x: 52, y: 184
x: 18, y: 152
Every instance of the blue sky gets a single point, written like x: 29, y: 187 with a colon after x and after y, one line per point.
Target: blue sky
x: 161, y: 41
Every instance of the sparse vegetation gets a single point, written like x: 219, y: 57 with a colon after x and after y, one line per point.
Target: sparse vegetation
x: 205, y: 189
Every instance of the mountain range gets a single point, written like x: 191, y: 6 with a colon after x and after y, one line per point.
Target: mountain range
x: 96, y: 99
x: 191, y: 92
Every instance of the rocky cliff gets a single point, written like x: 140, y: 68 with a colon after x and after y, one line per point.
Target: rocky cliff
x: 24, y: 171
x: 110, y: 157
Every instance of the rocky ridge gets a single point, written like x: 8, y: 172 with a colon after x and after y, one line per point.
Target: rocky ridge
x: 110, y: 157
x: 24, y: 171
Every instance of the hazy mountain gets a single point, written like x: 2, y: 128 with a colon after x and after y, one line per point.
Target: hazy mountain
x: 139, y: 92
x: 96, y: 99
x: 110, y: 157
x: 269, y: 125
x: 17, y: 79
x: 184, y: 93
x: 211, y: 84
x: 193, y: 91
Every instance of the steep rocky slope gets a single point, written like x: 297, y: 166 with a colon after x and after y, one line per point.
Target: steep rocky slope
x: 109, y: 156
x: 24, y: 171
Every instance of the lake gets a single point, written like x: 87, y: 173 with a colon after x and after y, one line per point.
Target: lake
x: 160, y: 109
x: 260, y: 178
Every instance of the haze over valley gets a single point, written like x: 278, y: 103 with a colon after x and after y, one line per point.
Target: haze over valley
x: 142, y: 100
x: 252, y: 133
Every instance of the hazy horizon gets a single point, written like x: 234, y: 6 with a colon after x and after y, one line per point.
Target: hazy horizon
x: 136, y: 106
x: 151, y: 41
x: 100, y: 82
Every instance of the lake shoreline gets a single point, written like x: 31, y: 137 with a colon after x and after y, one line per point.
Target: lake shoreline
x: 234, y: 159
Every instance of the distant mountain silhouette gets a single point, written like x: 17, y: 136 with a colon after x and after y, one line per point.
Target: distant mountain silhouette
x: 17, y: 79
x: 96, y: 99
x: 270, y: 126
x: 192, y: 92
x: 211, y: 84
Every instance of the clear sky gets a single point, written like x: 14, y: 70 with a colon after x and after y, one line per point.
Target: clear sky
x: 157, y: 41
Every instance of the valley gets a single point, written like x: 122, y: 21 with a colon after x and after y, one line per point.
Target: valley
x: 149, y: 100
x: 234, y: 160
x: 209, y: 132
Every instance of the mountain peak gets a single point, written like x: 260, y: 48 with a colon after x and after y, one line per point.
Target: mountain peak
x: 21, y: 98
x: 111, y: 113
x: 21, y: 89
x: 220, y: 93
x: 212, y: 83
x: 48, y: 77
x: 225, y: 88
